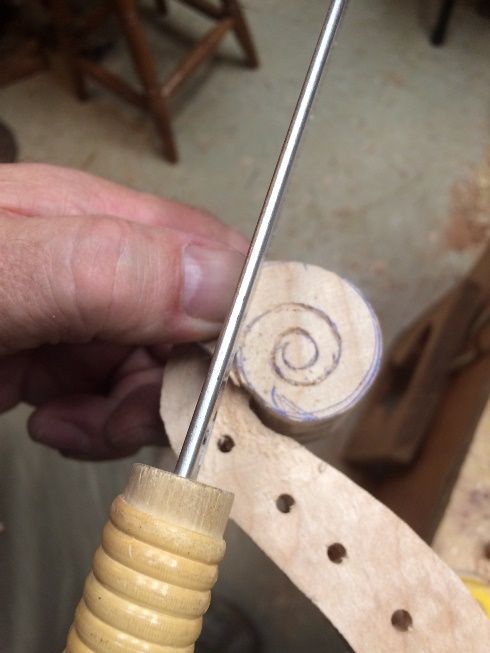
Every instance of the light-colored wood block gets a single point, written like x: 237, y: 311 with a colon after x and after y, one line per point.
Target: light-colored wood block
x: 152, y: 576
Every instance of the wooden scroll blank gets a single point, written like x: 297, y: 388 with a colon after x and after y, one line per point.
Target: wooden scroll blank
x: 380, y: 585
x: 310, y: 347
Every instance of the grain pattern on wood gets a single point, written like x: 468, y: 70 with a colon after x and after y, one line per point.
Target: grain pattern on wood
x: 310, y: 347
x: 381, y: 586
x: 152, y: 576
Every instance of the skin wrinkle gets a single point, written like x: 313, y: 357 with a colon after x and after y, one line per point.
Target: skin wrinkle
x: 169, y: 275
x: 163, y: 265
x: 34, y: 285
x: 17, y: 283
x: 58, y: 284
x: 173, y: 310
x: 111, y: 246
x: 139, y: 265
x: 68, y: 296
x: 122, y: 285
x: 135, y: 286
x: 13, y: 213
x: 104, y: 240
x: 109, y: 293
x: 123, y: 249
x: 47, y: 268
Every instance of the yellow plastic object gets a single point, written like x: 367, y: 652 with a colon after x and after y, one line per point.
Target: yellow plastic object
x: 152, y: 576
x: 480, y: 591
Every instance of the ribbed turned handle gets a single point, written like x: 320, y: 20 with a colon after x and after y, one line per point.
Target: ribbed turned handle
x: 152, y: 576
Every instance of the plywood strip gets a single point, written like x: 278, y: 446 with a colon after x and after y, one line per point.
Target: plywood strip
x: 381, y: 586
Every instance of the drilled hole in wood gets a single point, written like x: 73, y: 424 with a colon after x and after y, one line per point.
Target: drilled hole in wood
x: 486, y: 550
x: 285, y: 503
x: 336, y: 552
x: 226, y: 443
x: 401, y: 620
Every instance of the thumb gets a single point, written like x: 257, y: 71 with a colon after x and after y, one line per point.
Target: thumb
x: 78, y: 279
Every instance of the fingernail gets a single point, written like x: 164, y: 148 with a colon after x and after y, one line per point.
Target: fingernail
x: 61, y: 435
x: 210, y: 279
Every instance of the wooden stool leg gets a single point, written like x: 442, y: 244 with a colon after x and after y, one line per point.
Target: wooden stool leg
x: 439, y: 32
x: 161, y: 6
x: 242, y: 32
x: 131, y: 24
x: 63, y: 25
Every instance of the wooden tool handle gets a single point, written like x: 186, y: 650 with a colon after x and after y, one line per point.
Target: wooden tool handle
x: 152, y: 576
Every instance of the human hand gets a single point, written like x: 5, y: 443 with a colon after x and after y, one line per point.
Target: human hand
x: 96, y: 281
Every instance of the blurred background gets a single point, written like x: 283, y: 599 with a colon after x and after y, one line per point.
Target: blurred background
x: 391, y: 190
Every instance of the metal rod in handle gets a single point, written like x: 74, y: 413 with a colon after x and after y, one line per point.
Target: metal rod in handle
x: 207, y: 405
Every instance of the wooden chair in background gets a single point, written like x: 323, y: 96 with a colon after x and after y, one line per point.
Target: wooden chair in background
x: 446, y: 10
x: 154, y: 95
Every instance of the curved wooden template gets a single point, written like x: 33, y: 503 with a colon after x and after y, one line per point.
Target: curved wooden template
x: 386, y: 567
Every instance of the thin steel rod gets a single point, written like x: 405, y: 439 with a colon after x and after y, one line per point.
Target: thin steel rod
x: 207, y: 405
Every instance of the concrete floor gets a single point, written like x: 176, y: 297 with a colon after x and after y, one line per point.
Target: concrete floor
x: 398, y: 128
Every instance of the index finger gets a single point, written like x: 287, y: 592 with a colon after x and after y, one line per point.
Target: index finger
x: 36, y: 189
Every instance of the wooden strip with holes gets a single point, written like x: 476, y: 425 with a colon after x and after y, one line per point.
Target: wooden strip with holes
x: 380, y: 585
